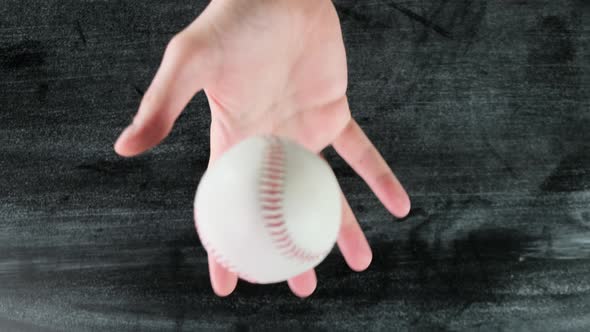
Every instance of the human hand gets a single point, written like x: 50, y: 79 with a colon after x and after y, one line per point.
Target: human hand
x: 267, y: 67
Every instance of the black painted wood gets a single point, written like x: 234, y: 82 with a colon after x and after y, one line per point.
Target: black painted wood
x: 481, y: 107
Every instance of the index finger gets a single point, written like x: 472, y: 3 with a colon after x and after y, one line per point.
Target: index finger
x: 360, y: 153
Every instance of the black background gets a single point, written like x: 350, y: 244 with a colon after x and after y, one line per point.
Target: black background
x: 480, y: 107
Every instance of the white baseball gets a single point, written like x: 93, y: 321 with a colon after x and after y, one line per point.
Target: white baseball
x: 268, y: 209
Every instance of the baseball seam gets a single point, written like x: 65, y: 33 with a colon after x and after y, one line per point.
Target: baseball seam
x: 271, y: 199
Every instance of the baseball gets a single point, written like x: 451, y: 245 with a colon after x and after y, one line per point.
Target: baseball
x: 268, y: 209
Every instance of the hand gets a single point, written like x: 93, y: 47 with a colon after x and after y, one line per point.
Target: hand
x: 267, y: 67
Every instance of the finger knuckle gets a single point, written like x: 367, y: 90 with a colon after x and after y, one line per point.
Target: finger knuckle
x: 179, y: 47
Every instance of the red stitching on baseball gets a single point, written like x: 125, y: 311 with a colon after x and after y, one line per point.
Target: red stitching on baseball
x: 274, y: 216
x: 271, y: 189
x: 297, y: 253
x: 281, y: 239
x: 271, y: 192
x: 272, y: 185
x: 271, y: 199
x: 275, y: 224
x: 275, y: 167
x: 285, y: 245
x: 273, y: 176
x: 277, y: 233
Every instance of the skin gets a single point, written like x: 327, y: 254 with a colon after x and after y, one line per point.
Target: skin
x: 267, y: 67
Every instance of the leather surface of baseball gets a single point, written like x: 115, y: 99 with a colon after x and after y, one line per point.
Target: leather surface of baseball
x: 268, y: 209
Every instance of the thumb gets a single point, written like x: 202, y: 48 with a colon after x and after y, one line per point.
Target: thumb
x: 186, y: 67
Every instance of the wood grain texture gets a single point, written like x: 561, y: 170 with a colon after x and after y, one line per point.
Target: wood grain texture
x: 481, y: 107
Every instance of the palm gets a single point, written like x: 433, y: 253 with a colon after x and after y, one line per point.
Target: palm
x: 267, y: 67
x: 273, y: 76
